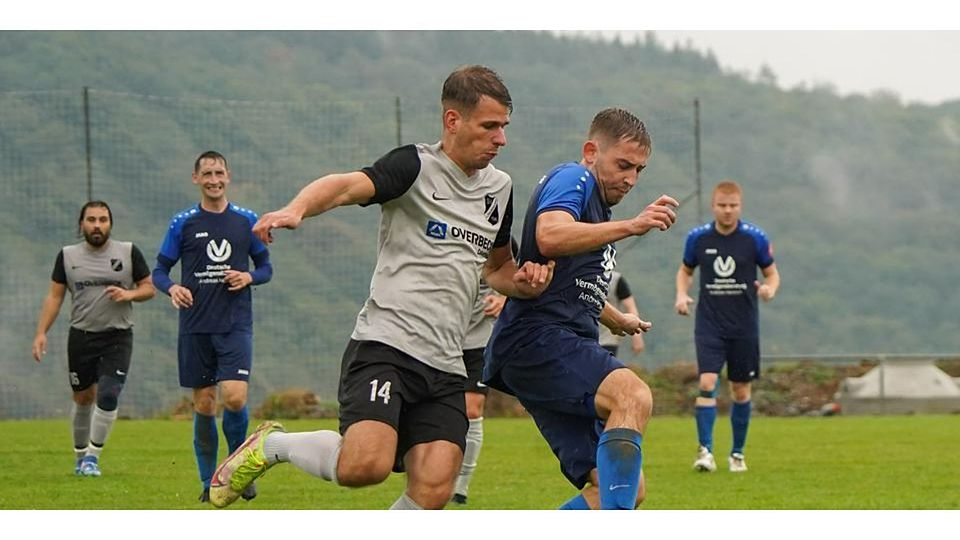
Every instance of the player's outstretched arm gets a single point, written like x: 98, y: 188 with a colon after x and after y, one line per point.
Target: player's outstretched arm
x: 317, y: 197
x: 48, y: 314
x: 559, y: 234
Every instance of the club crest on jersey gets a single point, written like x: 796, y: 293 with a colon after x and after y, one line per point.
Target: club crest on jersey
x: 116, y: 264
x: 724, y: 267
x: 219, y: 252
x: 436, y: 229
x: 491, y: 209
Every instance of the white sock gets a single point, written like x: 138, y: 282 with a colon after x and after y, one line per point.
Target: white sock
x: 470, y: 455
x: 81, y: 428
x: 100, y: 429
x: 405, y: 503
x: 314, y: 452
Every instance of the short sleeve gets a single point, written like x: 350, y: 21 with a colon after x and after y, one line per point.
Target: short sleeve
x: 393, y: 174
x: 140, y: 268
x: 59, y: 274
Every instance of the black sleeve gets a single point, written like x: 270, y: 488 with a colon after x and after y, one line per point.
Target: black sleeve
x: 59, y: 274
x: 503, y: 235
x: 393, y: 174
x: 623, y: 290
x: 140, y: 268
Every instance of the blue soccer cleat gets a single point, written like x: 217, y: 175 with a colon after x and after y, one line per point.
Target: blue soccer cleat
x: 90, y: 466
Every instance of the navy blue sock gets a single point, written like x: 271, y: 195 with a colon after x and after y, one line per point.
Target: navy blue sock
x: 619, y: 460
x: 706, y: 416
x: 235, y: 427
x: 576, y: 503
x: 205, y: 442
x: 740, y: 420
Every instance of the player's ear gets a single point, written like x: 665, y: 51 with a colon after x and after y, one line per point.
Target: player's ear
x: 591, y: 149
x: 451, y: 120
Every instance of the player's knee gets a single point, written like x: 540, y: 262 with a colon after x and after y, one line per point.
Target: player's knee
x: 432, y: 494
x: 234, y: 402
x: 84, y: 397
x: 640, y: 398
x: 363, y: 470
x: 108, y: 393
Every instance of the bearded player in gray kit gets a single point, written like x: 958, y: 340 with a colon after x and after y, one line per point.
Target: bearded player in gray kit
x: 104, y: 277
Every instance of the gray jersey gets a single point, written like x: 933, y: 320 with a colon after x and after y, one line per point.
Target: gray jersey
x: 87, y: 272
x: 481, y: 326
x: 437, y: 228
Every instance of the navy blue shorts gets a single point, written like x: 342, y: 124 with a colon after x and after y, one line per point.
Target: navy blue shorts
x: 556, y: 376
x: 206, y: 359
x: 741, y: 355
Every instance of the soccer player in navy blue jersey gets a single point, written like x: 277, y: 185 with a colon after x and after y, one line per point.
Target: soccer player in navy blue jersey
x: 214, y: 244
x: 590, y: 408
x: 728, y: 252
x: 446, y: 214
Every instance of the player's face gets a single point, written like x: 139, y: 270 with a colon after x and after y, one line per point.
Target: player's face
x: 479, y: 135
x: 213, y: 178
x: 96, y: 225
x: 618, y: 168
x: 726, y: 209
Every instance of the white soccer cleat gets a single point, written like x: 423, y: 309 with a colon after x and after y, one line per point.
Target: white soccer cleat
x: 737, y: 463
x: 705, y: 461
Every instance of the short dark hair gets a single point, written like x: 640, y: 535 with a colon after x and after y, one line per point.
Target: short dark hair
x: 209, y: 154
x: 93, y: 204
x: 615, y: 124
x: 467, y: 84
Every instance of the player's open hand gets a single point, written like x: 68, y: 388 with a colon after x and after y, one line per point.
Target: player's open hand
x: 118, y: 294
x: 180, y: 296
x: 236, y: 280
x: 660, y: 214
x: 533, y: 278
x: 682, y: 305
x: 629, y: 325
x: 280, y: 219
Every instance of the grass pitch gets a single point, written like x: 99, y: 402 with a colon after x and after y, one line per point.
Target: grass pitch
x: 902, y: 462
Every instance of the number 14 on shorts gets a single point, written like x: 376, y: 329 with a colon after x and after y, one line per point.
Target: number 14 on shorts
x: 380, y: 391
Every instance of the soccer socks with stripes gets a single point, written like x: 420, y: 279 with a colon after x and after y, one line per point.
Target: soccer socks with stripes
x: 100, y: 428
x: 81, y: 428
x: 740, y: 421
x: 234, y: 427
x: 314, y: 452
x: 619, y: 461
x: 576, y: 503
x: 206, y: 441
x: 470, y: 455
x: 706, y: 417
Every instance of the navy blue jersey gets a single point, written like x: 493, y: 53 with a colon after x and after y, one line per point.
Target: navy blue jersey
x: 727, y: 306
x: 577, y: 294
x: 207, y: 244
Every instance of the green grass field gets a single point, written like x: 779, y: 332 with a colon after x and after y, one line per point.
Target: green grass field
x: 905, y: 462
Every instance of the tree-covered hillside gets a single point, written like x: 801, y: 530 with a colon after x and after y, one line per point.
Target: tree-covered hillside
x: 855, y: 192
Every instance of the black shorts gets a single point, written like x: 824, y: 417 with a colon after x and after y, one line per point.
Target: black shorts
x: 423, y: 404
x: 473, y: 360
x: 91, y: 355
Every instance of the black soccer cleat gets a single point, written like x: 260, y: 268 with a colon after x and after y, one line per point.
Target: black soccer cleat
x: 205, y: 495
x: 459, y: 499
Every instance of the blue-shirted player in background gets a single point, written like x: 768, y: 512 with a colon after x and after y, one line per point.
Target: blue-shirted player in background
x: 728, y: 252
x: 589, y: 407
x: 214, y: 243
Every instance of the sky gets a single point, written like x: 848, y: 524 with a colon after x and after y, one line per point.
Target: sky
x: 907, y: 48
x: 919, y: 66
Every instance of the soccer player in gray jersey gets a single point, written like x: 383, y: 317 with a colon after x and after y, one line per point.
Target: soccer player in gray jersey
x: 446, y: 215
x: 103, y: 276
